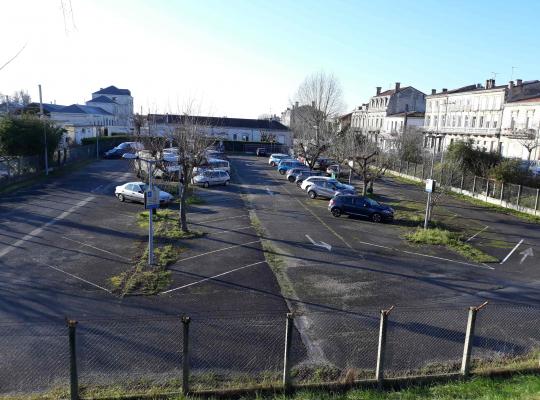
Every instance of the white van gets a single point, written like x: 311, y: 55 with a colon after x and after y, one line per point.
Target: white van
x: 222, y: 165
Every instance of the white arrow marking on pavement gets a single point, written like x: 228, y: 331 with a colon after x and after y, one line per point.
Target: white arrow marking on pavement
x: 269, y: 192
x: 526, y: 253
x: 512, y: 251
x: 319, y: 244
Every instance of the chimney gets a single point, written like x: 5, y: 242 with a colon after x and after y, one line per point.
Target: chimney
x: 511, y: 85
x: 379, y: 90
x: 445, y: 90
x: 397, y: 86
x: 488, y: 83
x: 433, y: 91
x: 295, y: 104
x: 519, y: 82
x: 313, y: 104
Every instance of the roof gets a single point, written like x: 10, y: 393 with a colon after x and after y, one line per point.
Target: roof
x: 47, y: 107
x: 101, y: 99
x: 531, y: 99
x: 113, y: 90
x: 80, y: 109
x: 219, y: 122
x: 391, y: 91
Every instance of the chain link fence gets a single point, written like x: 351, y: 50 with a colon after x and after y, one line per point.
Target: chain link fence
x: 167, y: 354
x: 509, y: 195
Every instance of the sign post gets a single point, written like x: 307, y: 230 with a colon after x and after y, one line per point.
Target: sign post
x: 151, y: 202
x: 430, y: 187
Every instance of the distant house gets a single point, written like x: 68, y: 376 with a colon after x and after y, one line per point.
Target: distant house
x: 233, y: 129
x: 109, y: 111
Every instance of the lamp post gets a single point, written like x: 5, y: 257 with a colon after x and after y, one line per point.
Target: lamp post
x: 42, y: 117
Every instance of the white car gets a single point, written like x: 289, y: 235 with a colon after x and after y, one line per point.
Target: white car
x: 210, y: 177
x: 134, y: 191
x: 306, y: 183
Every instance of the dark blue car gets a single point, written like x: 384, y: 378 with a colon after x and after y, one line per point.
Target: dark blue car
x: 360, y: 206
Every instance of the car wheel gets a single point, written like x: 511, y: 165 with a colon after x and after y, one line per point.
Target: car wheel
x: 291, y: 179
x: 376, y: 217
x: 312, y: 194
x: 225, y: 183
x: 206, y: 184
x: 273, y: 164
x: 121, y: 198
x: 336, y: 212
x: 282, y: 171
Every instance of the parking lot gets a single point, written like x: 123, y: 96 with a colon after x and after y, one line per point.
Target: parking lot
x: 62, y: 241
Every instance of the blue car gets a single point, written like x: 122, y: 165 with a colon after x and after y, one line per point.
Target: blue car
x: 285, y: 165
x: 360, y: 206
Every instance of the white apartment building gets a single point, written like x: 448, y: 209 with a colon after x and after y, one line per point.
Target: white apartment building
x: 473, y: 112
x: 389, y: 113
x: 521, y: 117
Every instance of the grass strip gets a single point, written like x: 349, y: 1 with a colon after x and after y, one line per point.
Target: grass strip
x: 451, y: 240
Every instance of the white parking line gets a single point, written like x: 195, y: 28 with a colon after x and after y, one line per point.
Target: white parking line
x: 218, y: 250
x: 212, y: 277
x: 37, y: 231
x: 73, y: 276
x: 477, y: 233
x: 232, y: 230
x: 96, y: 248
x: 512, y: 251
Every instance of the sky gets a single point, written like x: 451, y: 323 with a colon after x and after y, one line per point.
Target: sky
x: 244, y: 58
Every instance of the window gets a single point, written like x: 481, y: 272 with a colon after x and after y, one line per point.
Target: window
x: 473, y: 122
x: 435, y: 120
x: 459, y: 120
x: 494, y: 124
x: 428, y: 120
x: 481, y: 124
x: 443, y: 120
x: 466, y: 124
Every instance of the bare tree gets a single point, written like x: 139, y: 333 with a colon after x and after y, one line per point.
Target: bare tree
x: 528, y: 138
x: 362, y: 156
x: 313, y: 126
x: 408, y: 144
x: 191, y: 137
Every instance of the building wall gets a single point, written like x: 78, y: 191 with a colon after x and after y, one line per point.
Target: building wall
x: 519, y: 116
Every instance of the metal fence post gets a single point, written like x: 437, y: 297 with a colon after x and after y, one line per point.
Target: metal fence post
x: 73, y: 376
x: 536, y: 201
x: 415, y: 165
x: 502, y: 191
x: 287, y: 353
x: 423, y: 169
x: 462, y: 182
x: 185, y: 355
x: 474, y: 185
x: 469, y: 338
x: 381, y: 351
x: 520, y: 187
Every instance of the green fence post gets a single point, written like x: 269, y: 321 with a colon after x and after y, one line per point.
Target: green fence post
x: 287, y: 353
x: 185, y: 356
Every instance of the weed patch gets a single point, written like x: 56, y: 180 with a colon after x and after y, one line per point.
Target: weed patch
x: 451, y: 240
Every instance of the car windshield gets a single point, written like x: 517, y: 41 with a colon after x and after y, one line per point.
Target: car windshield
x: 371, y: 202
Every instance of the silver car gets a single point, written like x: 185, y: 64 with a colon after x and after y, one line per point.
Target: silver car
x: 209, y: 177
x: 134, y: 191
x: 328, y: 189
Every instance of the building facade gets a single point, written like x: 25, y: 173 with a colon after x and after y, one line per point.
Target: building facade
x: 389, y: 113
x: 520, y: 129
x: 472, y: 113
x: 231, y: 129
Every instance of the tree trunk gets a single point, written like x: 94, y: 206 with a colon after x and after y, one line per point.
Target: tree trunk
x: 183, y: 198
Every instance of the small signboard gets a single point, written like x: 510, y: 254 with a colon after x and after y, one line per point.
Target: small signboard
x: 151, y: 198
x: 430, y: 185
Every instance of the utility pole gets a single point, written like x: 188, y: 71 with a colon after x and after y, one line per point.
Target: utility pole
x: 150, y: 219
x: 97, y: 141
x: 42, y: 117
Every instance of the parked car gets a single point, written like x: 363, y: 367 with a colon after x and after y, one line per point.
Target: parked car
x: 318, y: 179
x: 292, y: 173
x: 217, y: 163
x: 215, y: 154
x: 261, y: 152
x: 134, y: 191
x: 360, y: 206
x: 333, y: 169
x: 274, y: 159
x: 122, y: 148
x: 210, y: 177
x: 285, y: 165
x: 328, y: 189
x: 304, y: 175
